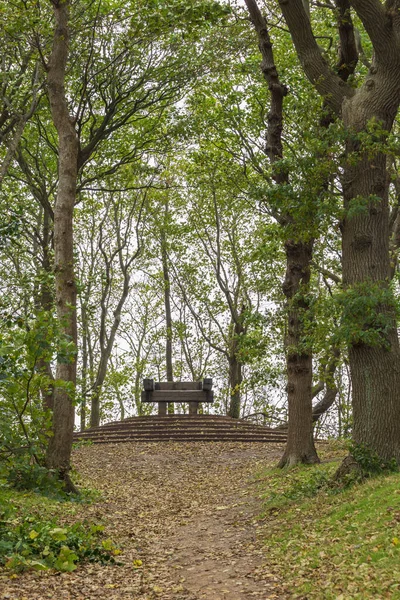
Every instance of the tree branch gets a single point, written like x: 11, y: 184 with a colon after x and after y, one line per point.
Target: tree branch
x: 331, y: 87
x: 378, y: 23
x: 348, y: 52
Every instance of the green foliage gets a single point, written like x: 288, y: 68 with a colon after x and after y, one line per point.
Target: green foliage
x: 368, y: 311
x: 181, y: 16
x: 370, y: 462
x: 10, y: 228
x: 26, y: 344
x: 360, y: 205
x: 44, y: 545
x: 371, y: 141
x: 29, y: 540
x: 23, y: 475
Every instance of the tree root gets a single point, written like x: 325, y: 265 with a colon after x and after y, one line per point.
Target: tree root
x: 349, y: 470
x: 68, y: 486
x: 291, y: 460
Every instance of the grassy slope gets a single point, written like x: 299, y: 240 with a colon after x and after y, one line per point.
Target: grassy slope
x: 331, y: 544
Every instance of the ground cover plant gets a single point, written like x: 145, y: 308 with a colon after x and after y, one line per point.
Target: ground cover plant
x: 330, y: 541
x: 42, y: 533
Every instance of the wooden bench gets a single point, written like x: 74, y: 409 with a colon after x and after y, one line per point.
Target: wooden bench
x: 177, y: 391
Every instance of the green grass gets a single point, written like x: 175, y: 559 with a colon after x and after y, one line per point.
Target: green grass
x: 328, y: 543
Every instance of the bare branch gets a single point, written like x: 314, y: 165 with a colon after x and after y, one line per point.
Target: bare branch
x: 326, y: 273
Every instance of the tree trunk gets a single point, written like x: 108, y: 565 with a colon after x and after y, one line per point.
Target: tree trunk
x: 45, y: 302
x: 84, y: 367
x: 368, y: 301
x: 235, y: 380
x: 325, y: 403
x: 300, y: 443
x: 106, y: 349
x: 95, y: 408
x: 60, y: 445
x: 374, y: 351
x: 168, y: 316
x: 235, y: 376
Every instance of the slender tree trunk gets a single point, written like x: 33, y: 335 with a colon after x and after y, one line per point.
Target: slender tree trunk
x: 60, y: 445
x: 121, y: 403
x: 46, y: 304
x: 168, y: 318
x: 95, y: 408
x: 167, y: 305
x: 235, y: 381
x: 138, y: 391
x: 85, y: 363
x: 106, y: 350
x: 300, y: 445
x: 235, y: 371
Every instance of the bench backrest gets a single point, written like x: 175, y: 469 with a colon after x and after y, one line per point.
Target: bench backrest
x: 164, y: 392
x: 178, y: 385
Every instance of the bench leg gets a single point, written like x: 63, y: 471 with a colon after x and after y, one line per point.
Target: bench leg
x: 193, y: 408
x: 162, y: 409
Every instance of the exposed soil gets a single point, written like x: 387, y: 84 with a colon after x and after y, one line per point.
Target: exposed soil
x: 184, y: 515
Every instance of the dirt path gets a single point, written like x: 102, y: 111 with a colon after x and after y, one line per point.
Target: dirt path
x: 184, y: 515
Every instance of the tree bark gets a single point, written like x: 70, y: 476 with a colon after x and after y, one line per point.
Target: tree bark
x: 300, y: 443
x: 107, y: 341
x: 235, y: 371
x: 330, y: 390
x: 167, y: 306
x: 85, y: 364
x: 46, y: 303
x: 374, y: 367
x: 106, y: 350
x: 373, y: 352
x: 60, y: 445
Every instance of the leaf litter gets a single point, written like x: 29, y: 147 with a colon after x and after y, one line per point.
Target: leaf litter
x: 184, y: 517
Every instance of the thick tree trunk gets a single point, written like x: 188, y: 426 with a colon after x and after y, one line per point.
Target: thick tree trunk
x: 60, y: 445
x: 300, y: 443
x: 330, y: 392
x: 374, y: 349
x: 372, y: 337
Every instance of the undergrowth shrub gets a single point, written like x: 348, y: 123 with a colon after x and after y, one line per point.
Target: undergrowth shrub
x: 370, y: 462
x: 301, y: 482
x: 28, y: 542
x: 23, y: 475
